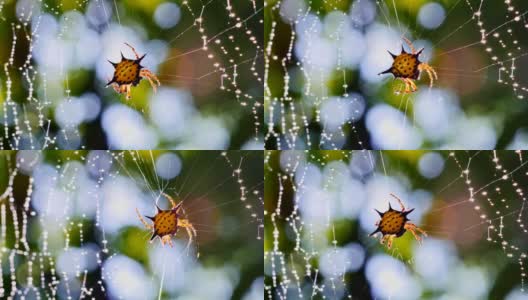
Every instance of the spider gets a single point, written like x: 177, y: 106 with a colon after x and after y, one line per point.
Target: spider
x: 128, y: 73
x: 394, y: 223
x: 407, y: 67
x: 167, y: 222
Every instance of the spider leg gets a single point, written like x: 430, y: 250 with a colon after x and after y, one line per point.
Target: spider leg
x: 404, y: 88
x: 417, y: 228
x: 411, y: 227
x: 399, y: 201
x: 407, y: 86
x: 128, y: 89
x: 178, y: 206
x: 417, y: 237
x: 133, y: 50
x: 186, y: 224
x: 122, y: 89
x: 382, y: 240
x: 430, y: 77
x: 411, y: 46
x: 170, y: 199
x: 154, y: 76
x: 114, y: 85
x: 143, y: 220
x: 413, y: 86
x: 430, y: 71
x: 434, y: 72
x: 389, y: 241
x: 429, y: 68
x: 410, y: 86
x: 149, y: 75
x: 116, y: 88
x: 191, y: 232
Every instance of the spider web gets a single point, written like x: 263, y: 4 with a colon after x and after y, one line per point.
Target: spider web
x: 242, y: 195
x: 209, y: 61
x: 322, y: 90
x: 69, y: 229
x: 233, y: 51
x: 320, y: 210
x: 26, y: 112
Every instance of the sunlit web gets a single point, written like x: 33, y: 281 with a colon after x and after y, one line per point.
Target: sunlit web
x: 63, y: 216
x: 215, y: 53
x: 322, y: 61
x: 320, y: 210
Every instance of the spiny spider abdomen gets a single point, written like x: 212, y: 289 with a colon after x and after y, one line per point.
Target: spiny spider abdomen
x: 405, y: 65
x: 165, y: 222
x: 127, y: 71
x: 394, y: 223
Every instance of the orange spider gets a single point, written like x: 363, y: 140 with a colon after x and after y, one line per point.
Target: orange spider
x: 407, y: 67
x: 128, y: 73
x: 167, y: 222
x: 394, y: 223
